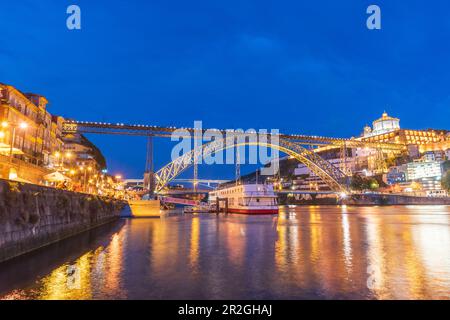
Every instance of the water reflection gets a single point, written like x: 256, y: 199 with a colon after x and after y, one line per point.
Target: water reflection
x: 304, y: 252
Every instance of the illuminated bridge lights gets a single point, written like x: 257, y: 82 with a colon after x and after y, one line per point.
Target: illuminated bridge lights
x: 71, y: 126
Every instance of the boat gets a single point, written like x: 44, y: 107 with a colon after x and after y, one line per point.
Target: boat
x: 145, y: 208
x: 246, y: 199
x: 202, y: 208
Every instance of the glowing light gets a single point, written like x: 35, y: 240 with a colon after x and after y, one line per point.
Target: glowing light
x: 12, y: 174
x: 23, y: 125
x: 343, y: 195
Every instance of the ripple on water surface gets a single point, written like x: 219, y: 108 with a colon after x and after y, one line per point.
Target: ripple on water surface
x: 305, y: 252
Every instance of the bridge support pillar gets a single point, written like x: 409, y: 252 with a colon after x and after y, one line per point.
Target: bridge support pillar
x: 149, y: 176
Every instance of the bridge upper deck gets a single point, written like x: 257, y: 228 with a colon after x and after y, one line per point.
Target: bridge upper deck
x: 72, y: 126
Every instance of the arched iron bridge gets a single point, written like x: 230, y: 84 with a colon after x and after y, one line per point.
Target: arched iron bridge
x: 330, y: 174
x: 291, y: 144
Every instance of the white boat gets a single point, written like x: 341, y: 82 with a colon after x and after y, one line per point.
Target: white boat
x: 246, y: 199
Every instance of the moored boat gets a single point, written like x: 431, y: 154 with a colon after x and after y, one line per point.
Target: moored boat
x: 246, y: 199
x: 145, y: 208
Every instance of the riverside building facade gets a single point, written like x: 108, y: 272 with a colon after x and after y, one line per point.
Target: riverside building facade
x: 31, y: 141
x: 28, y: 131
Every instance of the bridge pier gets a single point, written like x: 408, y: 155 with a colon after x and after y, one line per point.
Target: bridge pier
x: 149, y: 174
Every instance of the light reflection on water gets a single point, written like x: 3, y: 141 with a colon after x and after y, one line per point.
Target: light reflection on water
x: 306, y: 252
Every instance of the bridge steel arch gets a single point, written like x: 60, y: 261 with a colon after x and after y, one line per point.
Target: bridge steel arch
x: 330, y: 174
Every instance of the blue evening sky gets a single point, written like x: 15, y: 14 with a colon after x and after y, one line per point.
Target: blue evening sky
x: 308, y: 67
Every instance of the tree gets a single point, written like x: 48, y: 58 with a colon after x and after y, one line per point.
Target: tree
x: 359, y: 183
x: 446, y: 180
x: 373, y: 184
x: 446, y: 166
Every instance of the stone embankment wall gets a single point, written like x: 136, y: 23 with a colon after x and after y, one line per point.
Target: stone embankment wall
x: 33, y: 216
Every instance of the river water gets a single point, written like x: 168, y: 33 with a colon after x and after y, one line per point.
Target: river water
x: 313, y: 252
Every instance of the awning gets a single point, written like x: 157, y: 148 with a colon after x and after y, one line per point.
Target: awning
x: 5, y: 149
x: 21, y: 180
x: 56, y: 177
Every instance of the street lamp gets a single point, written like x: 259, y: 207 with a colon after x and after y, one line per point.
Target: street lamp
x: 57, y: 155
x: 62, y: 157
x: 116, y: 186
x: 85, y: 170
x: 66, y: 156
x: 22, y: 126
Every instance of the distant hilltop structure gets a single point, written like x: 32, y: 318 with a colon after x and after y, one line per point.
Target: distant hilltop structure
x: 387, y: 129
x: 382, y: 125
x: 418, y: 168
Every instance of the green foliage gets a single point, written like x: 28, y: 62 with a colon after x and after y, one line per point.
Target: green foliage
x: 446, y: 176
x: 373, y: 184
x: 357, y: 183
x: 363, y: 183
x: 446, y: 180
x: 446, y: 166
